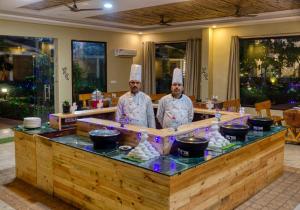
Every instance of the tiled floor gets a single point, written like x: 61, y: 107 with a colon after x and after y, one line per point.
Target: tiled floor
x: 7, y: 156
x: 283, y: 194
x: 15, y: 194
x: 292, y: 155
x: 5, y: 126
x: 7, y: 132
x: 8, y: 123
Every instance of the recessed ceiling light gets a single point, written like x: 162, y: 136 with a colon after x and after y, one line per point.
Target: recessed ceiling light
x: 108, y: 5
x: 140, y: 32
x: 214, y: 26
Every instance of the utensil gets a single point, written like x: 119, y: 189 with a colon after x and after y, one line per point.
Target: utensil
x: 125, y: 147
x: 191, y: 146
x: 32, y: 122
x: 234, y: 131
x: 260, y: 123
x: 104, y: 138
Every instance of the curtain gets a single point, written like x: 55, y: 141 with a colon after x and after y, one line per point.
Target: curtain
x: 233, y: 86
x: 148, y: 72
x: 192, y: 80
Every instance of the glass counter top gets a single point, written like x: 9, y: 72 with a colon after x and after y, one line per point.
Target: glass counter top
x: 45, y: 128
x: 168, y: 165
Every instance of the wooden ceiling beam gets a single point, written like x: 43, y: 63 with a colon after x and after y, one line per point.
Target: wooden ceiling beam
x: 47, y: 4
x: 185, y: 11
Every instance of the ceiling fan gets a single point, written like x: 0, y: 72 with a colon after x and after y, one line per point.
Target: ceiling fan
x: 164, y: 22
x: 74, y: 8
x: 238, y: 12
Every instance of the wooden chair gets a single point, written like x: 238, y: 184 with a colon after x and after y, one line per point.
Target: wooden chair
x: 85, y: 97
x: 193, y: 98
x: 199, y: 105
x: 266, y: 105
x: 232, y: 105
x: 156, y: 97
x: 114, y: 101
x: 292, y: 119
x: 107, y: 95
x: 120, y: 93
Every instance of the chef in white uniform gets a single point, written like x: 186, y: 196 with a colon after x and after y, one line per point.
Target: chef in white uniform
x: 176, y: 108
x: 135, y: 106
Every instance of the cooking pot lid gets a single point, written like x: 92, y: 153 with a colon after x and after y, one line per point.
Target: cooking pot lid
x: 104, y: 132
x: 235, y: 126
x: 261, y: 118
x: 193, y: 140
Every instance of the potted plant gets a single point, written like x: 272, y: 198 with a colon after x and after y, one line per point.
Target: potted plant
x: 66, y: 107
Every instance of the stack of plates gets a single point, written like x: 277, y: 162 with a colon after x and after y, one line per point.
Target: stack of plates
x: 32, y: 122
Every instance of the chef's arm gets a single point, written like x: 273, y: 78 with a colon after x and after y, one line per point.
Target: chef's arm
x: 150, y: 115
x: 119, y: 111
x: 160, y: 112
x: 191, y: 112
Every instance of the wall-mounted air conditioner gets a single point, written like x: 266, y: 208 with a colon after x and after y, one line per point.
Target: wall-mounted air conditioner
x: 125, y: 53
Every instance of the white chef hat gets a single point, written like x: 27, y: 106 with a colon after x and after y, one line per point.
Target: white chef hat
x: 177, y: 76
x: 136, y: 72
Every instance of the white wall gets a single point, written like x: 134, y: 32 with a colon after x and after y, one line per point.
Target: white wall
x: 206, y: 63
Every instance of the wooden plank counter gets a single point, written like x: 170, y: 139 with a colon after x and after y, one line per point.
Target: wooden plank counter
x: 60, y: 120
x: 160, y: 138
x: 92, y: 181
x: 25, y: 152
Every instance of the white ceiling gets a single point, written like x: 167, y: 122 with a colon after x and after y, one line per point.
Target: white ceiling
x: 10, y: 9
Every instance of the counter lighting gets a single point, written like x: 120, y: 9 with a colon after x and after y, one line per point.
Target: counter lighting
x: 172, y: 139
x: 156, y: 167
x: 157, y: 139
x: 108, y: 5
x: 139, y: 135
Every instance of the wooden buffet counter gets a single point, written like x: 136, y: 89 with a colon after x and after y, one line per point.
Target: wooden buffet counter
x: 68, y: 167
x: 61, y: 121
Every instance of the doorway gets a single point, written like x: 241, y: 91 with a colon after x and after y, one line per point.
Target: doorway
x: 26, y: 77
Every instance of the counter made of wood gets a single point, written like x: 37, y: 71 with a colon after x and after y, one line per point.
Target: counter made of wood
x: 162, y: 139
x: 90, y: 181
x: 60, y: 120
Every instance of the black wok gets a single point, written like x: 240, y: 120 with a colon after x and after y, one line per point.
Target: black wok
x: 260, y: 123
x: 191, y: 146
x: 104, y: 138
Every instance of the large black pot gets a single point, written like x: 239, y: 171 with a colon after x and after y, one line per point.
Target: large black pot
x: 260, y: 123
x: 234, y: 132
x: 191, y: 146
x: 104, y: 138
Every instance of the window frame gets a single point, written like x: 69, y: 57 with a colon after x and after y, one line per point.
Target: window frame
x: 166, y: 43
x: 281, y: 36
x: 105, y: 60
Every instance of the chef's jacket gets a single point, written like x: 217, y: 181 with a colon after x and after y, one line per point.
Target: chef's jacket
x: 174, y: 112
x: 137, y: 108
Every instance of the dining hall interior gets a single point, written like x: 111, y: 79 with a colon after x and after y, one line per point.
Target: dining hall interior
x: 68, y: 66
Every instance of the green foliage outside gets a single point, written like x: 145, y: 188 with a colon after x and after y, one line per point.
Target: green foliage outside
x: 268, y: 81
x: 89, y: 68
x: 26, y: 97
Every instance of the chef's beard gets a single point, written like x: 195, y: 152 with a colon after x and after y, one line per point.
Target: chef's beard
x: 176, y: 93
x: 134, y: 90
